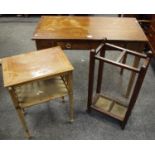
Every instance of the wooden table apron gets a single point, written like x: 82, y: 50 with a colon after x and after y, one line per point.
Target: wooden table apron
x: 77, y: 44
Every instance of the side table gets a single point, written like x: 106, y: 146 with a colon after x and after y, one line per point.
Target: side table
x: 37, y: 77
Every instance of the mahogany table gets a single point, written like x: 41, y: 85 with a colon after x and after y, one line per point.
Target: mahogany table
x: 77, y: 32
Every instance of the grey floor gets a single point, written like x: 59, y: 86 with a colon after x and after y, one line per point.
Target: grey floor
x: 49, y: 121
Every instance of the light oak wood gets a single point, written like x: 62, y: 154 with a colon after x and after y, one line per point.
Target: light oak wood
x: 78, y: 27
x: 40, y: 91
x: 19, y: 111
x: 34, y: 65
x: 37, y: 77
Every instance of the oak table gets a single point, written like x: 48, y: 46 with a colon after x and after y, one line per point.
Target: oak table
x: 77, y: 32
x: 37, y: 77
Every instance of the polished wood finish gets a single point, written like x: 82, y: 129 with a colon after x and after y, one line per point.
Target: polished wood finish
x: 77, y: 32
x: 34, y: 65
x: 36, y: 77
x: 147, y: 22
x: 87, y: 28
x: 106, y: 105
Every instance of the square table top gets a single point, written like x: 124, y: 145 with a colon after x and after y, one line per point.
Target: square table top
x: 36, y: 65
x: 85, y: 28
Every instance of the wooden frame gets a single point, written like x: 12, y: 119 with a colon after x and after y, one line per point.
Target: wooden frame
x: 17, y: 95
x: 37, y: 77
x: 106, y: 105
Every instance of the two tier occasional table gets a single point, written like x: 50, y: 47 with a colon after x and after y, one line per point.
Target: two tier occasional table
x: 37, y: 77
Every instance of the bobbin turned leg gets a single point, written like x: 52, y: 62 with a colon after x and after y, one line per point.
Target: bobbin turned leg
x: 19, y: 111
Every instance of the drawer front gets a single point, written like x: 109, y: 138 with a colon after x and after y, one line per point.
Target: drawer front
x: 90, y: 45
x: 70, y: 45
x: 42, y: 44
x: 82, y: 45
x: 76, y: 45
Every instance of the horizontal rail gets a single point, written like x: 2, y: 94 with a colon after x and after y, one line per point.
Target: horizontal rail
x: 121, y: 56
x: 128, y: 51
x: 99, y: 47
x: 118, y: 64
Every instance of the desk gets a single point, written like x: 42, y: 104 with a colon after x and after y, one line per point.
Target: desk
x: 76, y: 32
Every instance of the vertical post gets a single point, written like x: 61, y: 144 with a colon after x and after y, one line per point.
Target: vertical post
x: 132, y: 77
x: 70, y: 93
x: 140, y: 47
x: 37, y: 42
x: 100, y: 71
x: 19, y: 111
x: 135, y: 93
x: 91, y: 78
x: 124, y: 61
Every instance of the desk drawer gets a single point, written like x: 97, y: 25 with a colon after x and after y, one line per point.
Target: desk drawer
x: 81, y: 45
x: 76, y: 45
x: 87, y: 45
x: 70, y: 45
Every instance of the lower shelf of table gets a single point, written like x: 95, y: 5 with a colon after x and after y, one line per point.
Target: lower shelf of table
x: 40, y: 91
x: 109, y: 107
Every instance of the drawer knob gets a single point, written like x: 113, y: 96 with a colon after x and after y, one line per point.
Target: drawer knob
x: 68, y: 45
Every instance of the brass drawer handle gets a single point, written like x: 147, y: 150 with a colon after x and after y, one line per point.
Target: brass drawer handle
x: 68, y: 45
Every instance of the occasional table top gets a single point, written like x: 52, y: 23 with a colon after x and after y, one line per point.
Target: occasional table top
x: 84, y: 28
x: 34, y: 66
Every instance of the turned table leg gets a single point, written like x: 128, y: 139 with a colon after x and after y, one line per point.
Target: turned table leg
x: 19, y: 111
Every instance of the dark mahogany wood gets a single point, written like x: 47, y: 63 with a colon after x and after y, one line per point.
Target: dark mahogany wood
x: 99, y: 55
